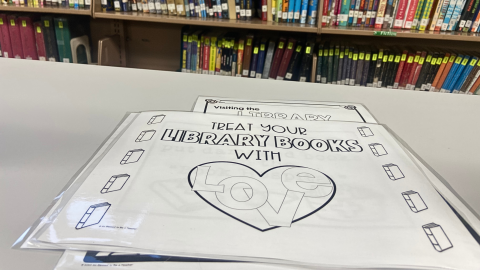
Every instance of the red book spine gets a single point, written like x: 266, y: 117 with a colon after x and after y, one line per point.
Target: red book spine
x: 264, y: 10
x: 276, y: 59
x: 412, y: 70
x: 28, y: 38
x: 325, y: 12
x: 402, y: 6
x: 338, y: 7
x: 418, y: 68
x: 287, y: 55
x: 400, y: 69
x: 360, y: 13
x: 42, y: 54
x: 406, y: 71
x: 206, y: 55
x: 410, y: 14
x: 15, y: 38
x: 7, y: 51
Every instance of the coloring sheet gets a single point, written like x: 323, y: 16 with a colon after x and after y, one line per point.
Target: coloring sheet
x: 322, y: 111
x: 237, y: 188
x: 287, y: 110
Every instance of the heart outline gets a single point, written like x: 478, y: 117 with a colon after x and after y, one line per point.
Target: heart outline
x: 261, y: 175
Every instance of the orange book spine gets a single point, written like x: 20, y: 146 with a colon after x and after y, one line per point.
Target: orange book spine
x: 445, y: 72
x: 474, y: 87
x: 440, y: 71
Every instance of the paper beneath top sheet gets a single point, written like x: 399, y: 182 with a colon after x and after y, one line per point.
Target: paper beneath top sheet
x: 287, y: 110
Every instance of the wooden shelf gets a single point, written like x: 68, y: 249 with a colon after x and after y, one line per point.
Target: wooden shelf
x: 58, y: 10
x: 361, y: 31
x: 254, y: 24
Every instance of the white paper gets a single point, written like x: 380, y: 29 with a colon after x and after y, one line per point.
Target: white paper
x: 343, y: 199
x: 289, y: 110
x: 73, y: 260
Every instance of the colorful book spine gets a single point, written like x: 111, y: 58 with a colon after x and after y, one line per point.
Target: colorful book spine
x: 448, y: 14
x: 15, y: 38
x: 254, y: 61
x: 312, y: 12
x: 411, y: 13
x: 40, y: 41
x: 470, y: 18
x: 401, y: 64
x: 296, y: 10
x: 27, y: 35
x: 351, y: 11
x: 369, y: 12
x: 451, y: 73
x: 389, y: 13
x: 285, y: 10
x: 380, y: 14
x: 436, y: 14
x: 241, y: 47
x: 467, y: 70
x: 402, y: 8
x: 304, y: 8
x: 343, y: 16
x: 277, y: 59
x: 360, y: 17
x: 456, y: 15
x: 441, y: 16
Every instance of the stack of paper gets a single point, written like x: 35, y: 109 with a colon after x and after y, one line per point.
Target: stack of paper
x: 242, y: 184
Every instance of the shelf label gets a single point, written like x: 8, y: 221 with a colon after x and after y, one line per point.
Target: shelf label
x: 385, y: 33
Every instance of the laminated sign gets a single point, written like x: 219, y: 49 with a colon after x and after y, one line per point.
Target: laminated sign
x: 260, y: 189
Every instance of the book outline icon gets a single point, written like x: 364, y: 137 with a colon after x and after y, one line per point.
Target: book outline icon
x: 132, y: 156
x: 414, y: 201
x: 145, y: 135
x: 365, y: 131
x: 156, y: 119
x: 378, y: 149
x: 437, y: 236
x: 115, y: 183
x: 393, y: 171
x: 93, y: 215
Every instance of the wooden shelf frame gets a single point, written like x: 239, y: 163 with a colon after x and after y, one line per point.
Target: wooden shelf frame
x: 46, y: 9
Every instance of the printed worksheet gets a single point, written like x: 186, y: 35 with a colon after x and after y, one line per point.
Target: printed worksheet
x: 287, y: 110
x: 191, y: 184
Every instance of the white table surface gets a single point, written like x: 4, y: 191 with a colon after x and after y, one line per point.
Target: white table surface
x: 53, y: 116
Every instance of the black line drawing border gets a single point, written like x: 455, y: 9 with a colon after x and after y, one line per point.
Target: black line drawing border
x: 211, y: 101
x: 261, y: 174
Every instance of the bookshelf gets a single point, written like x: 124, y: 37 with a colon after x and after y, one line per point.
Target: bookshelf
x: 152, y: 41
x: 54, y: 10
x: 400, y: 33
x: 255, y: 24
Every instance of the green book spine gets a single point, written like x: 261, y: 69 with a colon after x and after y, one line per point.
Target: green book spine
x: 62, y: 32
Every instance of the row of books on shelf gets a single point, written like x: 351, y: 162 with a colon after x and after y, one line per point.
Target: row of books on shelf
x: 288, y: 11
x: 44, y: 38
x: 432, y: 15
x: 298, y: 59
x: 75, y: 4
